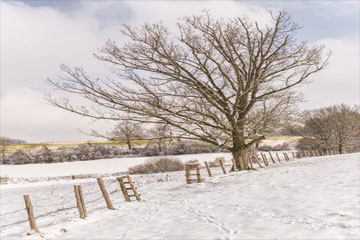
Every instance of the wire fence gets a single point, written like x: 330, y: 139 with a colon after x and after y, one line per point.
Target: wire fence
x: 65, y: 201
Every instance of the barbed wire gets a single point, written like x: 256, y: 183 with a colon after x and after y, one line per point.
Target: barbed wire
x: 65, y: 200
x: 12, y: 212
x: 6, y: 226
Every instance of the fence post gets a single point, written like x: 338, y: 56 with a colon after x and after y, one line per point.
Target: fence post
x: 286, y: 156
x: 187, y: 174
x: 293, y: 155
x: 208, y: 169
x: 104, y: 193
x: 198, y: 175
x: 272, y: 159
x: 30, y: 212
x: 250, y: 161
x: 234, y: 164
x: 264, y: 159
x: 78, y: 201
x: 277, y: 155
x: 222, y: 166
x: 257, y: 160
x: 82, y: 200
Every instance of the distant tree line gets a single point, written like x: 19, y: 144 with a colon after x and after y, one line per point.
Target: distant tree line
x: 94, y: 151
x: 334, y: 127
x: 5, y: 142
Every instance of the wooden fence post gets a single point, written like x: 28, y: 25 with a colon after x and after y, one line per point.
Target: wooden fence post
x: 208, y: 169
x: 198, y: 175
x: 277, y: 155
x: 257, y: 160
x: 30, y: 212
x: 234, y: 164
x: 250, y: 161
x: 78, y: 201
x: 105, y: 194
x: 264, y: 159
x: 222, y: 166
x: 187, y: 175
x: 293, y: 155
x: 286, y: 156
x: 272, y: 159
x: 82, y: 200
x: 304, y: 154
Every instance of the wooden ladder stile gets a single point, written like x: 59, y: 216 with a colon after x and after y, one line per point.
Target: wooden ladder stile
x: 125, y: 188
x: 188, y: 174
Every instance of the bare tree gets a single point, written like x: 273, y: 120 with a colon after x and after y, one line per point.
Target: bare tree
x: 127, y: 131
x: 317, y: 131
x: 225, y: 82
x: 160, y: 132
x: 5, y: 142
x: 331, y: 127
x: 345, y: 124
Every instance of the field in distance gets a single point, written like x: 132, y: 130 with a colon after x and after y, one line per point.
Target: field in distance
x: 272, y: 140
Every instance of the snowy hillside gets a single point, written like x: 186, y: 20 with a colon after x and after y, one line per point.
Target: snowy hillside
x: 310, y: 198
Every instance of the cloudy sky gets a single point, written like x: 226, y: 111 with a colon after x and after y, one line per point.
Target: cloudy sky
x: 37, y: 36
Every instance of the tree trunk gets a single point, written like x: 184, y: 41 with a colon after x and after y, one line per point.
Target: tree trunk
x: 340, y: 148
x: 128, y: 142
x: 241, y: 159
x: 160, y: 145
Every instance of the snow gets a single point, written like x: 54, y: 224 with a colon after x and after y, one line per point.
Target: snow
x: 94, y: 166
x: 309, y: 198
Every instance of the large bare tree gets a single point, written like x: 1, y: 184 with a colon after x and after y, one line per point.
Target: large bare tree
x: 225, y: 82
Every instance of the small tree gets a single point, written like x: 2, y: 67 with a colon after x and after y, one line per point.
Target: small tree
x: 5, y: 142
x: 127, y: 131
x: 330, y: 127
x: 224, y: 82
x: 346, y: 125
x: 158, y: 133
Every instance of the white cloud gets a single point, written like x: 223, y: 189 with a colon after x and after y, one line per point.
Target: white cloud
x: 26, y: 116
x: 339, y: 82
x: 36, y: 40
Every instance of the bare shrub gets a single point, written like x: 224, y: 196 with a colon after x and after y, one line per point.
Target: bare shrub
x: 158, y: 165
x: 150, y: 149
x: 279, y: 147
x: 190, y: 147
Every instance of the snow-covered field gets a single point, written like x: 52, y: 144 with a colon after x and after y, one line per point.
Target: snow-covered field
x: 93, y: 166
x: 310, y: 198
